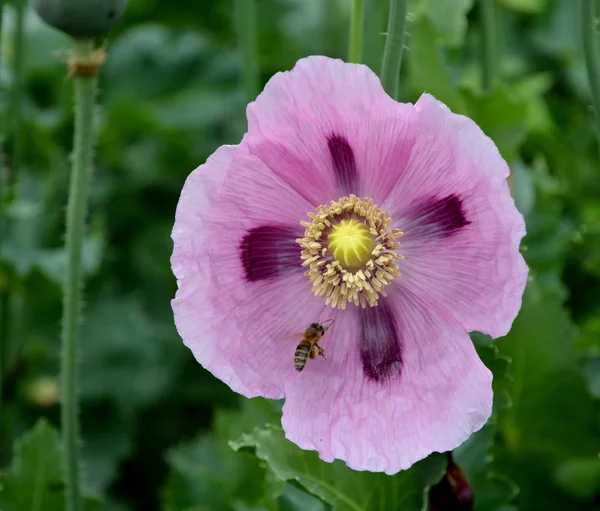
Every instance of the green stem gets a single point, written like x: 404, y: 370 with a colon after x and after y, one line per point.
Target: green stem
x: 394, y: 46
x: 2, y: 172
x: 247, y: 33
x: 591, y: 53
x: 85, y: 88
x: 488, y: 44
x: 357, y: 20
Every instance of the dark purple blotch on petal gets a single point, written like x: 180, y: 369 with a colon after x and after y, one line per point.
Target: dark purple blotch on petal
x: 344, y: 165
x: 437, y: 217
x: 270, y: 251
x: 380, y: 343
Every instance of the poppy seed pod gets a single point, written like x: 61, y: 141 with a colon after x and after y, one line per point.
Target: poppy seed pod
x: 83, y: 18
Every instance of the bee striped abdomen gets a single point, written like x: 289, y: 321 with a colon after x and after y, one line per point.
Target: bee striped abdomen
x: 301, y: 355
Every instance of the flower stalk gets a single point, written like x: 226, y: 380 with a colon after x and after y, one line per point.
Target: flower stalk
x: 488, y: 44
x: 591, y: 53
x: 2, y: 187
x: 356, y: 31
x: 245, y: 23
x: 394, y: 47
x: 84, y: 67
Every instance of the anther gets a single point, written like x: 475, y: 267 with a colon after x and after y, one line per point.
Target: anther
x: 349, y: 251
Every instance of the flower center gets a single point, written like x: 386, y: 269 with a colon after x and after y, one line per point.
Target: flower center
x: 350, y: 252
x: 351, y: 243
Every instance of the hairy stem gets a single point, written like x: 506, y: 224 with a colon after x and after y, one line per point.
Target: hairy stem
x: 488, y: 44
x: 356, y: 31
x: 394, y: 47
x: 85, y: 87
x: 589, y: 38
x: 2, y: 174
x: 245, y: 23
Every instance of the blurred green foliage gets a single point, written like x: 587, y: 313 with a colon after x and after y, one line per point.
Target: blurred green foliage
x: 36, y: 480
x: 159, y: 431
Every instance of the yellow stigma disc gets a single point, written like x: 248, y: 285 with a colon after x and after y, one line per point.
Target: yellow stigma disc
x: 351, y: 243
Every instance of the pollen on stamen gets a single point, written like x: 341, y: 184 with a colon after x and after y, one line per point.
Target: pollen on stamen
x: 350, y: 252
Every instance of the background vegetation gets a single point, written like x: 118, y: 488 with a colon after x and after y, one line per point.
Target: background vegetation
x: 156, y: 425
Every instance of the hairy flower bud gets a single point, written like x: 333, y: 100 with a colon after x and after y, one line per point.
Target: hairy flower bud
x: 81, y: 18
x: 453, y: 492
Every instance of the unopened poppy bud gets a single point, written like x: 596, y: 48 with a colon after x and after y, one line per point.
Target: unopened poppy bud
x: 453, y: 492
x: 81, y: 18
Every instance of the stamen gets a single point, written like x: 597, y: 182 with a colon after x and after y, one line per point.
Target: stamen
x: 349, y: 251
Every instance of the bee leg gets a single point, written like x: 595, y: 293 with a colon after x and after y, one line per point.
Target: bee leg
x: 320, y: 351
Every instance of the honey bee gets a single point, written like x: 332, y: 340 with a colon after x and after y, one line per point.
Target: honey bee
x: 309, y: 347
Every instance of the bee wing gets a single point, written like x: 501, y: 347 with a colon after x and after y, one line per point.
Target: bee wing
x: 298, y: 337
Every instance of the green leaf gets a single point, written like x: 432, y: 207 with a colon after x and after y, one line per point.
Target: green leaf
x: 28, y: 220
x: 180, y: 109
x: 230, y: 424
x: 530, y: 90
x: 35, y: 481
x: 499, y: 365
x: 546, y: 385
x: 591, y: 371
x: 107, y: 443
x: 523, y: 189
x: 501, y: 116
x: 52, y: 261
x: 335, y: 483
x: 294, y: 499
x: 580, y: 477
x: 207, y: 471
x: 548, y: 236
x: 428, y: 71
x: 154, y: 59
x: 491, y: 489
x: 553, y: 418
x: 529, y: 6
x: 448, y: 18
x: 121, y: 340
x: 558, y: 35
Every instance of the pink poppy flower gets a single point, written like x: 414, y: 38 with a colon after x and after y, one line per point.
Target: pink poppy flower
x: 392, y: 220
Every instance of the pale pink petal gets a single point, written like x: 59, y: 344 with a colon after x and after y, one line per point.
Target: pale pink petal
x: 329, y: 129
x: 442, y: 394
x: 462, y: 228
x: 400, y: 380
x: 240, y: 330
